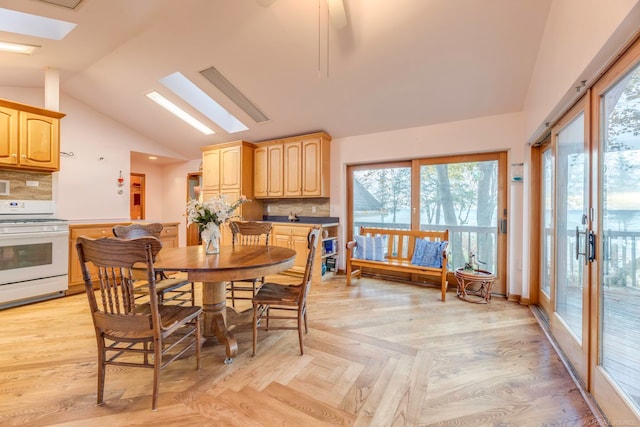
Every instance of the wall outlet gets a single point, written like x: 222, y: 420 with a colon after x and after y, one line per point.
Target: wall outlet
x: 313, y: 209
x: 268, y: 208
x: 4, y: 187
x: 33, y: 184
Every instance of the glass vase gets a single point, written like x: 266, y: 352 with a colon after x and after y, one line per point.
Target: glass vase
x: 211, y: 238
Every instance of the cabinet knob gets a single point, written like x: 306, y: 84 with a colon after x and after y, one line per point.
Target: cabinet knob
x: 14, y: 155
x: 24, y: 156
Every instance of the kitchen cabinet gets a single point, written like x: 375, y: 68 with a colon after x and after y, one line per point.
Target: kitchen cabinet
x: 293, y: 167
x: 169, y: 238
x: 268, y: 171
x: 29, y: 137
x: 231, y: 166
x: 211, y: 170
x: 227, y: 171
x: 315, y: 168
x: 294, y: 236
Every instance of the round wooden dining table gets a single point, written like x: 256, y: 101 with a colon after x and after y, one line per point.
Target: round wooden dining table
x: 215, y: 270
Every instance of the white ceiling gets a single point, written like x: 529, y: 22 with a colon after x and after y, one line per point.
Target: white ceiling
x: 397, y: 64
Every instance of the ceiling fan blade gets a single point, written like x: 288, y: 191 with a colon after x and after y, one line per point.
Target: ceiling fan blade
x: 337, y: 14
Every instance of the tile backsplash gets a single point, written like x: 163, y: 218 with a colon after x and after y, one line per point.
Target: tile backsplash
x: 27, y: 185
x: 300, y: 207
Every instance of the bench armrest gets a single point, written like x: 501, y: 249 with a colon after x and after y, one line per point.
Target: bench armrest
x: 350, y: 245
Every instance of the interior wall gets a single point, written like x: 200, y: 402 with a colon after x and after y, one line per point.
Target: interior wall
x: 174, y: 188
x: 86, y: 188
x: 580, y: 38
x: 486, y: 134
x: 153, y: 193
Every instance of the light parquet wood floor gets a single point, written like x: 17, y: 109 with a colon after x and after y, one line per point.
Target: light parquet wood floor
x: 377, y: 354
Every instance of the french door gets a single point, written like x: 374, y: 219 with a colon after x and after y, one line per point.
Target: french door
x: 615, y: 351
x: 589, y: 234
x: 565, y: 298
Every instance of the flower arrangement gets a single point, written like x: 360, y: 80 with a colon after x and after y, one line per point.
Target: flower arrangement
x: 214, y: 210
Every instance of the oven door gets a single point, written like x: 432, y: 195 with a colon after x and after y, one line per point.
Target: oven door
x: 33, y: 263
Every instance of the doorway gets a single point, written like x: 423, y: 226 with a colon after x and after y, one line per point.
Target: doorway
x: 193, y: 180
x: 136, y: 191
x: 567, y: 251
x: 589, y: 232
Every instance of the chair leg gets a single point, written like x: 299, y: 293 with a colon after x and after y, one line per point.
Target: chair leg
x: 255, y: 329
x: 198, y: 343
x: 101, y: 371
x: 300, y: 316
x: 304, y: 311
x: 233, y: 295
x: 157, y: 364
x: 266, y: 326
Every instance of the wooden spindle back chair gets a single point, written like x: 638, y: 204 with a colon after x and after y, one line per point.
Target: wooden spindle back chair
x: 127, y: 333
x: 284, y: 299
x: 172, y: 290
x: 247, y: 233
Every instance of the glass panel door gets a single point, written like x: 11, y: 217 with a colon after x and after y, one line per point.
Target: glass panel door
x: 572, y: 222
x: 620, y: 207
x: 464, y: 197
x: 382, y: 197
x: 568, y: 291
x: 547, y: 264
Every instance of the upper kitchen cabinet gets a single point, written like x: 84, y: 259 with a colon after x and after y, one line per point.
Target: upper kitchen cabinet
x: 227, y: 170
x: 268, y: 171
x: 29, y: 137
x: 293, y: 167
x: 211, y: 169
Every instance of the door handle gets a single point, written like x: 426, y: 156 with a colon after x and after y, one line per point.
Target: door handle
x: 591, y: 246
x: 586, y: 244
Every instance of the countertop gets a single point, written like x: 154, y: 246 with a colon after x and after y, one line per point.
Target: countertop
x: 322, y: 220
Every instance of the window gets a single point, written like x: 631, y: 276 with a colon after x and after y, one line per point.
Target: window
x: 463, y: 194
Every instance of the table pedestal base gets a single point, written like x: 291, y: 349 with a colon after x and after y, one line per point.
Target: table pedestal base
x: 215, y: 324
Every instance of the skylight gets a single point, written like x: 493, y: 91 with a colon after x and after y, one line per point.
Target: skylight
x: 199, y: 100
x: 179, y: 112
x: 12, y: 21
x: 17, y: 47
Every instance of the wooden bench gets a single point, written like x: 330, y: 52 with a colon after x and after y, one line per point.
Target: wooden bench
x: 399, y: 251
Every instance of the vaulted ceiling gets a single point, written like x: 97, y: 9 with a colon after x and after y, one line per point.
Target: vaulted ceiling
x: 396, y: 64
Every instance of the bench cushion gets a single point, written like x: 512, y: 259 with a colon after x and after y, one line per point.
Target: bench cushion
x: 370, y: 248
x: 428, y: 254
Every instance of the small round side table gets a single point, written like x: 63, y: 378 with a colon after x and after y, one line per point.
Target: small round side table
x: 466, y: 278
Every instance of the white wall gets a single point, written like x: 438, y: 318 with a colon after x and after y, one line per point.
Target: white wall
x: 86, y: 187
x: 580, y: 38
x: 174, y: 183
x: 494, y: 133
